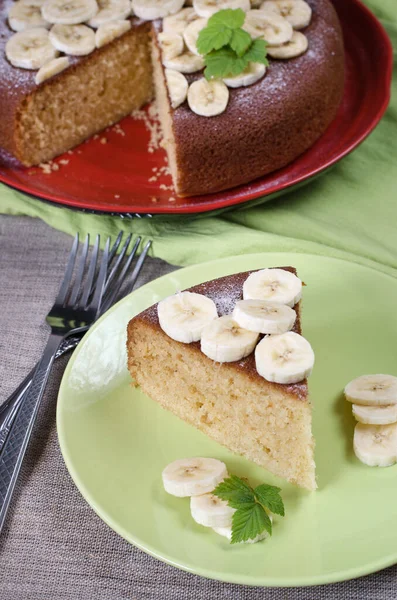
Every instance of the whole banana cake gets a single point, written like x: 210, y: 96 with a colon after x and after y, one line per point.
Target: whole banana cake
x: 243, y: 87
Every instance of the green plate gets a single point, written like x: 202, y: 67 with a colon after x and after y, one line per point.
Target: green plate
x: 116, y: 441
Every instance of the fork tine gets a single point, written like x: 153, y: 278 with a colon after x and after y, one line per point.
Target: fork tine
x: 115, y: 247
x: 138, y: 267
x: 90, y: 274
x: 120, y: 278
x: 80, y: 272
x: 118, y: 262
x: 100, y: 283
x: 63, y: 290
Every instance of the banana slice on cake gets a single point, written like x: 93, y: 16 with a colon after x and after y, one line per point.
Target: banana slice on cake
x: 274, y: 285
x: 297, y: 12
x: 183, y: 316
x: 210, y: 511
x: 156, y: 9
x: 251, y: 74
x: 223, y: 340
x: 76, y: 40
x: 376, y: 445
x: 208, y: 98
x: 52, y: 68
x: 171, y: 45
x: 264, y: 317
x: 191, y: 33
x: 177, y: 23
x: 185, y: 63
x: 24, y: 15
x: 285, y: 358
x: 110, y: 31
x: 177, y: 87
x: 372, y: 390
x: 30, y: 49
x: 272, y: 28
x: 111, y: 10
x: 72, y: 12
x: 297, y: 45
x: 193, y: 476
x: 206, y: 8
x: 375, y: 415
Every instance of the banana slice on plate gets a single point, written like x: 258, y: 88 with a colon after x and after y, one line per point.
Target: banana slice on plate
x: 23, y: 15
x: 110, y: 31
x: 297, y: 12
x: 206, y: 8
x: 274, y: 285
x: 372, y: 390
x: 76, y: 40
x: 264, y: 317
x: 156, y: 9
x: 177, y: 23
x: 227, y: 533
x: 208, y: 98
x: 171, y: 45
x: 223, y: 340
x: 297, y: 45
x: 183, y: 316
x: 210, y: 511
x: 285, y: 358
x: 191, y: 33
x: 376, y: 445
x: 30, y: 49
x: 375, y: 415
x: 251, y: 74
x: 52, y: 68
x: 193, y: 476
x: 111, y: 10
x: 32, y: 2
x: 185, y: 63
x: 177, y: 87
x: 272, y: 28
x: 72, y: 12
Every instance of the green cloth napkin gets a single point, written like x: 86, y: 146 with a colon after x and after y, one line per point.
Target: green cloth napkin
x: 350, y: 212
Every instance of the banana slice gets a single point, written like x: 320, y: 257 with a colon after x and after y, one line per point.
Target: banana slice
x: 206, y: 8
x: 272, y: 28
x: 55, y: 66
x: 23, y: 15
x: 372, y: 390
x: 111, y: 10
x: 375, y: 415
x: 264, y: 317
x: 177, y: 87
x: 69, y: 12
x: 191, y: 33
x: 76, y: 40
x: 211, y: 511
x: 32, y: 2
x: 156, y: 9
x: 177, y: 23
x: 227, y: 533
x: 275, y: 285
x: 171, y: 45
x: 251, y: 74
x: 183, y: 316
x: 208, y: 98
x: 255, y: 3
x: 30, y: 49
x: 376, y: 445
x: 297, y: 45
x: 109, y: 31
x: 193, y: 476
x: 296, y: 12
x: 284, y: 358
x: 225, y: 341
x: 185, y: 63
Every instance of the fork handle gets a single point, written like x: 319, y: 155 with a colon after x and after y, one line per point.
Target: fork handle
x: 16, y: 443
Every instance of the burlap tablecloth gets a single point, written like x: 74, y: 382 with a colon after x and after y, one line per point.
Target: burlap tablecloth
x: 53, y: 546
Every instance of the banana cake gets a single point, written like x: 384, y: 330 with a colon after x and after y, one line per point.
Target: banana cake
x: 70, y: 68
x: 227, y: 384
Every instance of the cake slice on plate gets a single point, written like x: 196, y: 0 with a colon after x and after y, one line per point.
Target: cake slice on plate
x: 267, y: 422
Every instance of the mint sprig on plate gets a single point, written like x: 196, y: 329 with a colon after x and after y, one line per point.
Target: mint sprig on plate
x: 251, y: 517
x: 226, y: 47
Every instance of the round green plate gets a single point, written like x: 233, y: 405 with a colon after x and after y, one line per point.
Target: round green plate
x: 116, y: 441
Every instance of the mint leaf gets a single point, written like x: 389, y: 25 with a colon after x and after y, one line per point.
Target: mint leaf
x: 236, y: 492
x: 233, y: 18
x: 223, y: 63
x: 257, y: 52
x: 240, y: 41
x: 269, y: 497
x: 213, y: 38
x: 249, y: 522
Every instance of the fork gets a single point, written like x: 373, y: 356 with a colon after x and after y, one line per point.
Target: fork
x: 76, y: 307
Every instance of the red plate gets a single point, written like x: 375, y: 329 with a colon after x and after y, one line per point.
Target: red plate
x: 114, y: 176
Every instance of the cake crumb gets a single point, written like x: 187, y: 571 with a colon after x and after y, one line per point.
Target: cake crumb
x: 172, y: 199
x: 64, y: 161
x: 151, y: 121
x: 154, y: 199
x: 103, y: 140
x: 117, y: 196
